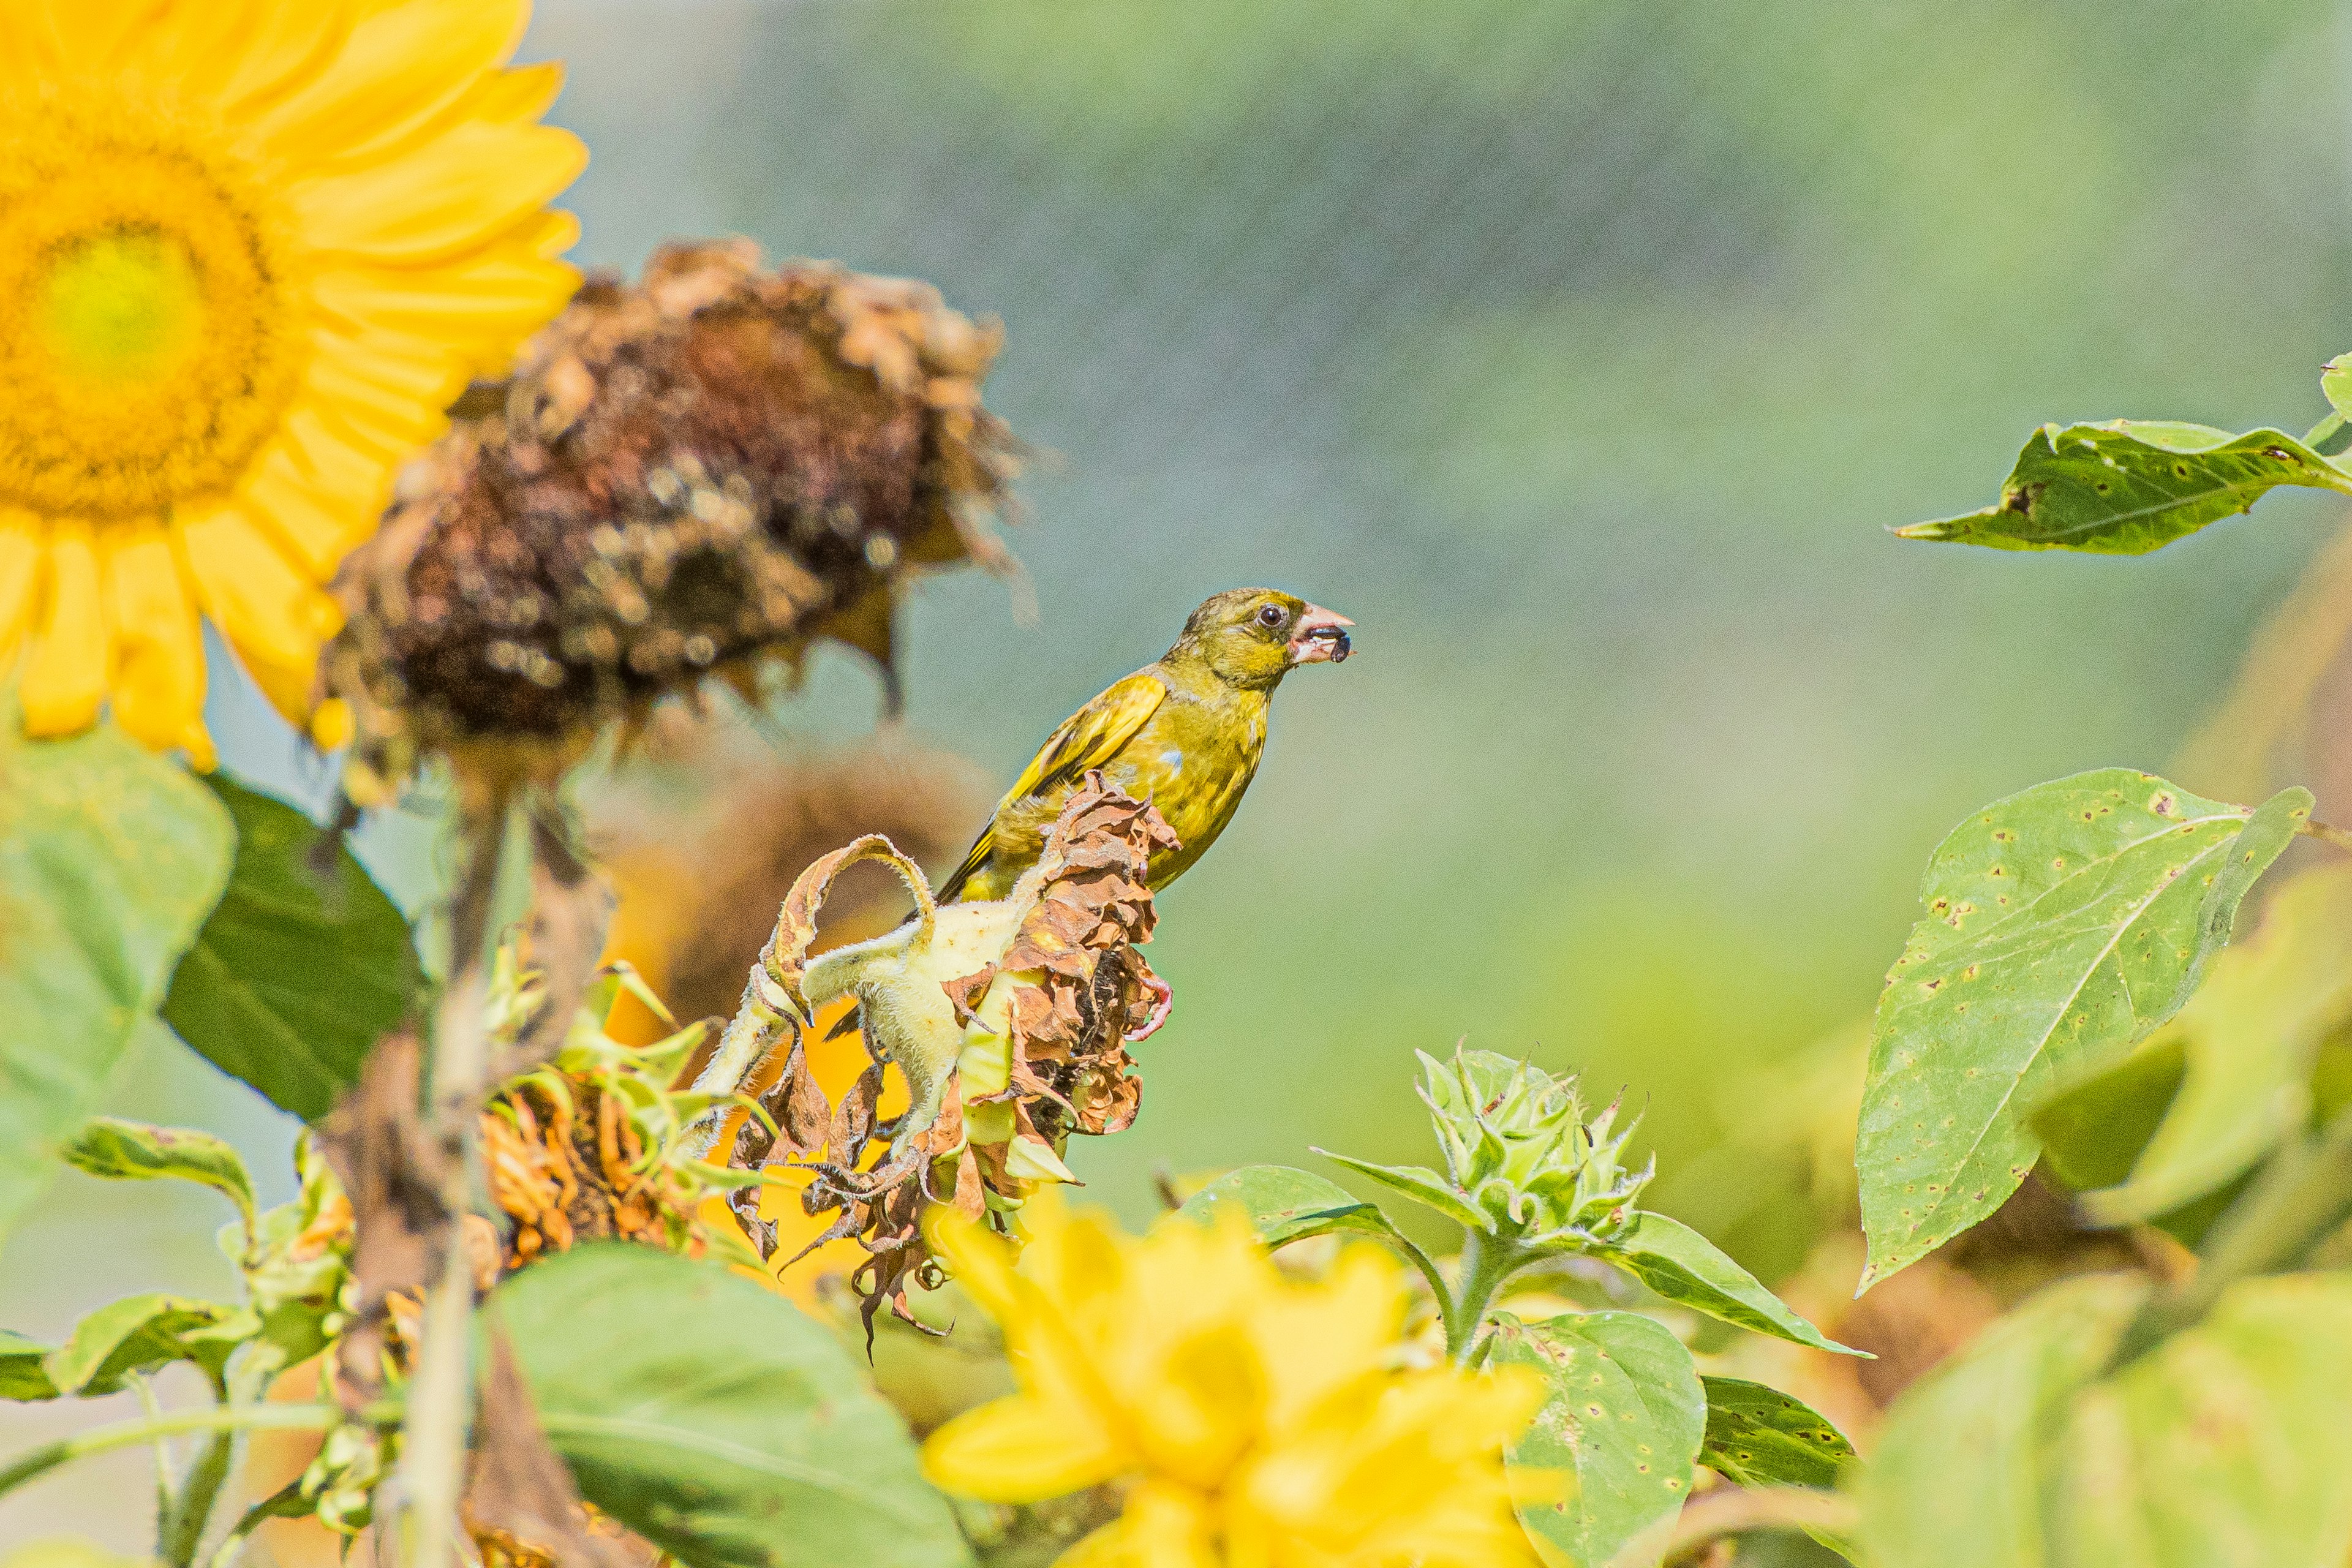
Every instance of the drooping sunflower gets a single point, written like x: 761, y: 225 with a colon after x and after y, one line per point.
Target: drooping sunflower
x: 249, y: 251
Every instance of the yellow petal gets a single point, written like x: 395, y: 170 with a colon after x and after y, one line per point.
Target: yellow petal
x: 457, y: 193
x: 20, y: 574
x: 315, y: 505
x: 273, y: 616
x: 1163, y: 1527
x: 387, y: 404
x: 93, y: 36
x: 1019, y: 1450
x: 65, y: 680
x: 400, y: 70
x: 239, y: 54
x: 484, y: 302
x: 512, y: 97
x: 158, y: 678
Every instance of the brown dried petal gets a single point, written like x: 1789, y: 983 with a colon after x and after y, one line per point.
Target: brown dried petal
x: 520, y: 1489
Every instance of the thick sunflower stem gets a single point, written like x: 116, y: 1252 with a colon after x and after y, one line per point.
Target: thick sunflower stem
x: 433, y: 1437
x: 1488, y: 1259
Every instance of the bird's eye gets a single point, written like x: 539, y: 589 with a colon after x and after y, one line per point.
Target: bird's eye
x: 1271, y: 615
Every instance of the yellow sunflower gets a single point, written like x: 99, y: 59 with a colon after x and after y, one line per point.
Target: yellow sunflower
x: 249, y: 250
x: 1254, y: 1421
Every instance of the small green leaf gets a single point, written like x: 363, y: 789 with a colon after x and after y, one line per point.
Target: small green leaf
x: 1689, y: 1270
x: 111, y: 1147
x: 248, y: 996
x: 1421, y: 1185
x: 2336, y: 383
x: 110, y: 855
x: 1622, y: 1428
x: 23, y: 1372
x: 1759, y: 1436
x: 2061, y: 924
x: 137, y: 1334
x: 1283, y: 1204
x: 2129, y: 486
x: 715, y: 1419
x: 2249, y: 1037
x: 2223, y: 1444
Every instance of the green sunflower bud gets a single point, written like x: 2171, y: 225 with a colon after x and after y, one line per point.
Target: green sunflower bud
x: 1522, y: 1159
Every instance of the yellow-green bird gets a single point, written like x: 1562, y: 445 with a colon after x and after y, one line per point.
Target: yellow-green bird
x: 1184, y: 733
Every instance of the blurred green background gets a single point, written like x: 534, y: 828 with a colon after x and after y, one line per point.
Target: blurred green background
x: 1582, y: 354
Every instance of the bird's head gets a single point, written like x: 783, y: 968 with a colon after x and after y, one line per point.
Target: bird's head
x: 1254, y: 637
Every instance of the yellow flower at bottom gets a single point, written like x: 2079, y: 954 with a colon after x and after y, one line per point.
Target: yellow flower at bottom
x: 1257, y: 1421
x: 249, y: 249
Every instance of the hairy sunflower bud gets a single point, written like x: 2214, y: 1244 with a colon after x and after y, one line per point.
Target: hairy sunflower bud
x: 697, y: 475
x: 1521, y: 1158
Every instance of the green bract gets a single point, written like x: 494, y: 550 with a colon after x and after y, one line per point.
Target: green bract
x: 1520, y: 1158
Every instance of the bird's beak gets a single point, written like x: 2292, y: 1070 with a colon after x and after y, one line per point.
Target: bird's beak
x: 1321, y: 635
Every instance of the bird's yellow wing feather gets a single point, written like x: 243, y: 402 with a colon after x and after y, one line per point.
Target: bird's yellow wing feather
x: 1086, y: 739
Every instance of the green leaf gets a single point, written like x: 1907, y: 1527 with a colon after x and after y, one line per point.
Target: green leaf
x: 2336, y: 383
x: 23, y: 1374
x: 109, y: 858
x: 2222, y: 1445
x: 110, y: 1147
x: 137, y: 1334
x: 1621, y: 1427
x: 1283, y: 1204
x: 2061, y: 924
x: 1422, y: 1185
x: 715, y: 1419
x: 2129, y: 486
x: 1689, y: 1270
x: 2249, y: 1037
x: 1759, y: 1436
x: 2095, y: 1128
x: 295, y: 976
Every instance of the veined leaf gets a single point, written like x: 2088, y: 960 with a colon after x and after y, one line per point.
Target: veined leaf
x: 109, y: 857
x: 2248, y: 1035
x: 1759, y: 1436
x: 1689, y: 1270
x: 2222, y: 1445
x: 110, y: 1147
x: 137, y: 1334
x: 1621, y: 1427
x: 1422, y: 1185
x: 295, y: 976
x: 1283, y: 1204
x: 2129, y: 486
x: 715, y: 1419
x: 2061, y: 924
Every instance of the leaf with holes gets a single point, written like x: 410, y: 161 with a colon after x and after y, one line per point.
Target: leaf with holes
x: 2062, y: 925
x: 109, y: 858
x: 2222, y: 1445
x: 753, y: 1441
x: 247, y: 996
x: 1759, y: 1436
x: 1283, y: 1204
x: 1620, y: 1428
x: 2130, y: 486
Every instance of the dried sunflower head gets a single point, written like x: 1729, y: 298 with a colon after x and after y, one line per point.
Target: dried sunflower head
x: 698, y: 474
x: 1010, y: 1020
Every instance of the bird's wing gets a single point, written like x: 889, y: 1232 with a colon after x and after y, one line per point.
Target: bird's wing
x: 1088, y: 738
